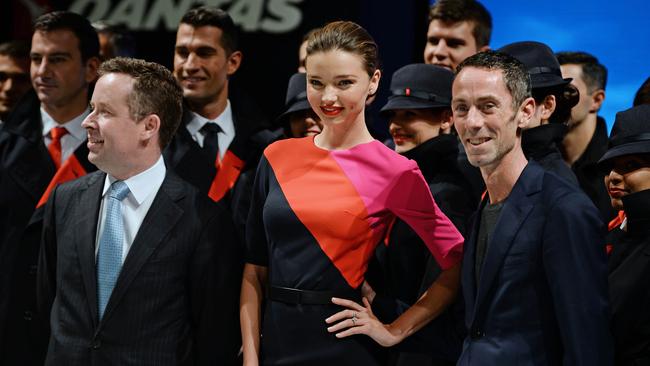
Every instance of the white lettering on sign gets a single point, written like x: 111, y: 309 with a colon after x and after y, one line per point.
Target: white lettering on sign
x: 272, y: 16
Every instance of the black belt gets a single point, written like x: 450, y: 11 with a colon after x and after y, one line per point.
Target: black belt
x: 296, y: 296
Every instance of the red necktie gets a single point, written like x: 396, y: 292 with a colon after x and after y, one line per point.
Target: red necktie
x: 55, y: 145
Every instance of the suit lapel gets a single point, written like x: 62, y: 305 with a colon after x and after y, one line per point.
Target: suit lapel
x: 88, y: 203
x: 469, y: 260
x: 515, y: 210
x: 163, y: 215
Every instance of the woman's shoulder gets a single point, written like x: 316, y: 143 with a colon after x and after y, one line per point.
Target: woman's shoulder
x: 288, y: 146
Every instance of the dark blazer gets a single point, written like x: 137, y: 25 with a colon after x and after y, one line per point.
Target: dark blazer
x: 185, y: 158
x: 176, y: 301
x: 590, y: 176
x: 629, y: 284
x: 542, y: 294
x: 26, y: 169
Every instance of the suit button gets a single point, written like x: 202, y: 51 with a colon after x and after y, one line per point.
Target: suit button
x: 96, y: 344
x: 28, y: 315
x: 477, y: 333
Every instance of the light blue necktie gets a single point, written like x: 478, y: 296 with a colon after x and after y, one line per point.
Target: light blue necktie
x: 109, y: 256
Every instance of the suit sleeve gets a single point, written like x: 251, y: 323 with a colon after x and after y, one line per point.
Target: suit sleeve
x: 576, y: 268
x: 216, y: 279
x: 256, y: 242
x: 46, y: 270
x: 411, y: 200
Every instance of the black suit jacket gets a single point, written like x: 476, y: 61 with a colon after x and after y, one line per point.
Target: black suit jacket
x: 185, y: 158
x: 26, y: 169
x: 629, y: 284
x: 176, y: 299
x: 542, y: 294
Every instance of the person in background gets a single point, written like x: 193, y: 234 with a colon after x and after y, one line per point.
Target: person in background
x: 586, y: 139
x: 419, y: 111
x: 14, y: 75
x: 534, y: 274
x: 554, y: 97
x: 299, y: 120
x: 457, y: 30
x: 115, y: 40
x: 42, y: 144
x: 320, y: 207
x: 222, y: 134
x: 302, y: 51
x: 627, y: 163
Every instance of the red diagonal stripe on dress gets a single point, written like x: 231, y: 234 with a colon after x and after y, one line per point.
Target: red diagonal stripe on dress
x: 327, y: 203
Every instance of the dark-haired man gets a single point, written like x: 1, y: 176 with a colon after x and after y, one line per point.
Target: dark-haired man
x: 130, y: 253
x: 534, y: 274
x: 586, y: 139
x: 457, y: 30
x: 14, y: 75
x: 41, y: 144
x: 221, y: 136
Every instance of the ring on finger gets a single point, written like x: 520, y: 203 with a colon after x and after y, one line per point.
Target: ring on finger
x: 354, y: 321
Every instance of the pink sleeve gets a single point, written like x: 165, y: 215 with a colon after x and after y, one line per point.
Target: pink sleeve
x: 411, y: 200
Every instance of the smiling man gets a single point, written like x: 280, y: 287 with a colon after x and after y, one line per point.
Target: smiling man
x: 457, y: 30
x: 222, y: 135
x: 534, y: 274
x: 42, y: 143
x: 128, y: 263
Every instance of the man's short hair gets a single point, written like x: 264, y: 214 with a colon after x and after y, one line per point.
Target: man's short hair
x: 215, y: 17
x: 594, y: 73
x: 515, y: 74
x: 155, y: 91
x: 454, y: 11
x: 15, y: 49
x: 80, y: 26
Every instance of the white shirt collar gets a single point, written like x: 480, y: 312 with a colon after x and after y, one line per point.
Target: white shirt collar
x: 224, y: 120
x: 73, y: 126
x: 143, y: 184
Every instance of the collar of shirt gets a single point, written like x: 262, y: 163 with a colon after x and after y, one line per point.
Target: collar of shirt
x: 224, y: 120
x: 73, y: 126
x: 142, y: 185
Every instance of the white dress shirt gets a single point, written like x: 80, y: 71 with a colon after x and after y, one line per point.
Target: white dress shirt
x: 70, y: 142
x: 142, y: 190
x: 224, y: 121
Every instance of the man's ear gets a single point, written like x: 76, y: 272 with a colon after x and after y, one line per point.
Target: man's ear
x: 526, y: 111
x: 547, y: 107
x: 446, y: 121
x: 597, y: 99
x: 151, y: 124
x: 90, y: 72
x: 234, y: 61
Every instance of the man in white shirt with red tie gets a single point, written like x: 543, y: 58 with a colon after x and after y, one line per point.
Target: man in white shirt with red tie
x: 42, y: 143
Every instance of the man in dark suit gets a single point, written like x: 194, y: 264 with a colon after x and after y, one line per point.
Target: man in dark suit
x: 222, y: 136
x: 534, y: 268
x: 42, y: 143
x: 133, y: 258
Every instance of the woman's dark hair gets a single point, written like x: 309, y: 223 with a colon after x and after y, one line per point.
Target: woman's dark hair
x: 346, y: 36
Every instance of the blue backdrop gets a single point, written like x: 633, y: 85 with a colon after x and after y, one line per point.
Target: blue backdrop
x: 616, y: 32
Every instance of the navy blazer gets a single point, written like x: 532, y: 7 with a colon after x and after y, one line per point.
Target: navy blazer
x: 542, y: 294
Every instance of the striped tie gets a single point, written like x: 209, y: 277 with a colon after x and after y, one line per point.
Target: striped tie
x: 109, y: 256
